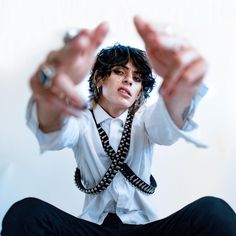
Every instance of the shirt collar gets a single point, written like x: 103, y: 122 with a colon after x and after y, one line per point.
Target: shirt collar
x: 101, y: 115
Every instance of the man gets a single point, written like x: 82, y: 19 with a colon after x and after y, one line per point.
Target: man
x: 113, y: 140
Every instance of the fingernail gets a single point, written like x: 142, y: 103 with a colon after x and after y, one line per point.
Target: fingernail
x: 74, y: 111
x: 162, y: 91
x: 84, y: 41
x: 84, y: 106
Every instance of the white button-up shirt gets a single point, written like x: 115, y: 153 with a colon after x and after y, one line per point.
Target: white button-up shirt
x: 151, y: 125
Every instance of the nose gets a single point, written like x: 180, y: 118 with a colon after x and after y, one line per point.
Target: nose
x: 128, y: 79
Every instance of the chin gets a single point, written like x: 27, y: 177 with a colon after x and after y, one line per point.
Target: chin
x: 126, y: 105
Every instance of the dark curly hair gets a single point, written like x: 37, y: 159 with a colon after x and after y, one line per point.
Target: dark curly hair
x: 120, y: 55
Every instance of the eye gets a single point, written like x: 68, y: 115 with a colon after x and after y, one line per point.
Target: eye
x: 137, y: 78
x: 118, y: 72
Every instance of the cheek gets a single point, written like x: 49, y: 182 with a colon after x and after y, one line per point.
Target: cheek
x: 107, y: 91
x: 138, y: 91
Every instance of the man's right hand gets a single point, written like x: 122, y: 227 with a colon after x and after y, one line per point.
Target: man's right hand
x: 72, y: 63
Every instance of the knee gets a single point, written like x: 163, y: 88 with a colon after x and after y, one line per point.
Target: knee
x: 22, y: 211
x: 214, y: 216
x: 214, y: 207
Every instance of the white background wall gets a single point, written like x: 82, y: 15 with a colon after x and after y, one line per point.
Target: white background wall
x: 29, y: 29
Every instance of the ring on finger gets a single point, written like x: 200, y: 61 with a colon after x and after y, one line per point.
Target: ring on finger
x: 70, y: 34
x: 47, y: 74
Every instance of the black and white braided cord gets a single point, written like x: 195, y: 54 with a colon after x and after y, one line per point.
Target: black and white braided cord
x: 117, y: 164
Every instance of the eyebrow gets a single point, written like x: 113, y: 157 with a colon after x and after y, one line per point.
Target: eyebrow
x: 126, y: 67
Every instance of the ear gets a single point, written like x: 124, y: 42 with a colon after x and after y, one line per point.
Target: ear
x: 100, y: 83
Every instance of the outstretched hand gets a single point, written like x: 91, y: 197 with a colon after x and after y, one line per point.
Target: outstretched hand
x: 171, y: 57
x: 179, y: 64
x: 72, y: 63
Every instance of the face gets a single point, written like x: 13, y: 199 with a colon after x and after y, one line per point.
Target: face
x: 121, y: 89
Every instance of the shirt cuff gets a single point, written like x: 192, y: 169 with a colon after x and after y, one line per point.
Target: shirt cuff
x: 190, y: 133
x: 189, y: 124
x: 47, y: 141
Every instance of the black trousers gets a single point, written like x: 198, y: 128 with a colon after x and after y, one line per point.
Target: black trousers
x: 208, y: 216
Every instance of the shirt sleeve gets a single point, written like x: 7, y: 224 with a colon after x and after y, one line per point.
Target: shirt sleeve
x: 162, y: 130
x: 65, y: 137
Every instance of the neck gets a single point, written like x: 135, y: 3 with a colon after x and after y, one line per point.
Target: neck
x: 112, y: 111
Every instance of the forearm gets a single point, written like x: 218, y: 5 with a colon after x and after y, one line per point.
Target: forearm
x: 161, y: 128
x: 51, y: 137
x: 177, y: 106
x: 50, y: 118
x: 182, y: 107
x: 178, y: 63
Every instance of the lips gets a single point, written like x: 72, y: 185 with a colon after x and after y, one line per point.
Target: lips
x: 124, y: 91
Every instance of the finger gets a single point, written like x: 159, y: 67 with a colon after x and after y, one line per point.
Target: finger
x: 80, y: 52
x: 73, y: 48
x: 171, y: 43
x: 195, y: 73
x: 148, y: 34
x: 155, y: 55
x: 80, y: 42
x: 144, y: 29
x: 157, y: 64
x: 160, y: 46
x: 53, y: 97
x: 156, y: 39
x: 99, y: 33
x: 66, y: 86
x: 52, y: 57
x: 39, y: 91
x: 178, y: 64
x: 140, y: 25
x: 181, y: 87
x: 88, y: 40
x: 64, y: 107
x: 190, y: 79
x: 168, y: 50
x: 96, y: 35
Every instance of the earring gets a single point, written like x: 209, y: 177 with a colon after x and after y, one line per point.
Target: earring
x: 97, y: 92
x: 99, y: 89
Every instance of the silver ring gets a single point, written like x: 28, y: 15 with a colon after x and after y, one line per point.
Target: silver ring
x: 47, y: 74
x: 70, y: 34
